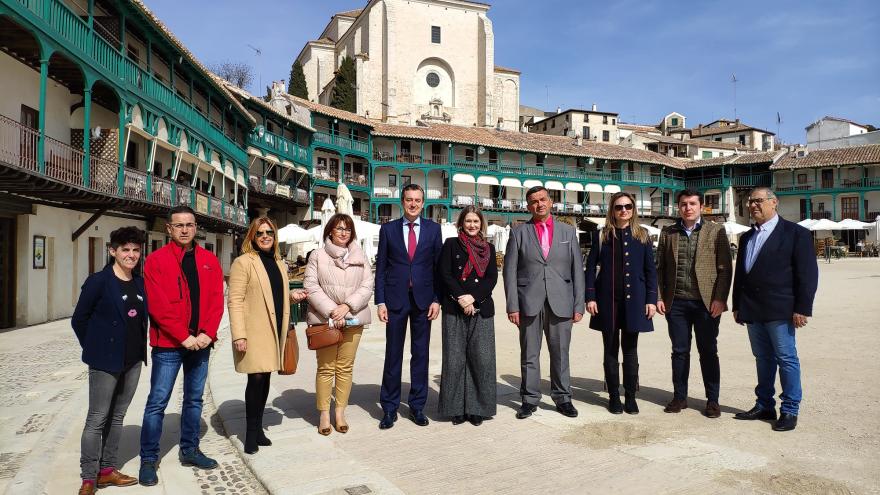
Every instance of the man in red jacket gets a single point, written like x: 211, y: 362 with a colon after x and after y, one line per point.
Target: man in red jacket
x: 186, y: 283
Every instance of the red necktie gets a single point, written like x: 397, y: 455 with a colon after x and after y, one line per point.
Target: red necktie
x: 411, y: 245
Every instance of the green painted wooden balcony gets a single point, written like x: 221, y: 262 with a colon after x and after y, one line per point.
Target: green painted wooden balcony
x: 282, y: 147
x: 323, y: 137
x: 559, y: 172
x: 72, y: 32
x: 786, y: 185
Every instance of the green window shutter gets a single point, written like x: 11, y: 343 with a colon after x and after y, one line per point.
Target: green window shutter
x: 707, y: 154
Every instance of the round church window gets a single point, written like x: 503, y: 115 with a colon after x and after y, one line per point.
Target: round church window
x: 432, y: 79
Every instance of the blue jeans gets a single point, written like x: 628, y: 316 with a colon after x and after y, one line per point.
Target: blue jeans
x: 773, y: 345
x: 166, y: 365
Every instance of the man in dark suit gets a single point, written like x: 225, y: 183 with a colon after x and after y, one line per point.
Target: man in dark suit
x: 773, y: 290
x: 544, y: 286
x: 694, y: 272
x: 408, y: 251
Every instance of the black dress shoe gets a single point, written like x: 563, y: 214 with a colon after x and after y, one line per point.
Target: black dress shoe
x: 526, y: 410
x: 388, y: 420
x: 566, y: 409
x: 475, y: 420
x: 786, y: 422
x: 418, y: 417
x: 457, y: 420
x: 756, y: 413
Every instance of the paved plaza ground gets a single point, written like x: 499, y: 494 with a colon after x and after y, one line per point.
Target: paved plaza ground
x: 834, y: 449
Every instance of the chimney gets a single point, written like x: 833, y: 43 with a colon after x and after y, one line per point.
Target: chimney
x: 558, y: 110
x: 594, y: 107
x: 737, y: 122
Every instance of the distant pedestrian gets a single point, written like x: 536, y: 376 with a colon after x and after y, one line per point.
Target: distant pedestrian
x: 468, y: 273
x: 621, y: 282
x: 184, y: 283
x: 694, y: 271
x: 773, y: 290
x: 339, y: 283
x: 259, y: 316
x: 110, y: 322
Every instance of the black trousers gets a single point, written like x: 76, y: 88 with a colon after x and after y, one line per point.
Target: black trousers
x: 613, y: 342
x: 681, y: 317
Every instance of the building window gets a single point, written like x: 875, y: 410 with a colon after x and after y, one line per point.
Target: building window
x: 802, y: 178
x: 435, y: 34
x: 586, y: 132
x: 545, y: 127
x: 392, y: 180
x: 606, y: 136
x: 613, y: 121
x: 712, y: 201
x: 673, y: 121
x: 718, y: 139
x: 604, y: 119
x: 742, y: 139
x: 469, y: 155
x: 586, y: 118
x: 707, y: 154
x: 553, y: 124
x: 432, y: 79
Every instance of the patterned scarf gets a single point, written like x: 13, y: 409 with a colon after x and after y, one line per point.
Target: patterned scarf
x: 478, y: 255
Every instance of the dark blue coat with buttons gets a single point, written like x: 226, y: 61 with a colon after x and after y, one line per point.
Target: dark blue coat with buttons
x: 639, y: 278
x: 99, y: 321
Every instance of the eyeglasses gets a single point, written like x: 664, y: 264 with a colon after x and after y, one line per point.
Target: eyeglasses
x: 342, y: 230
x: 627, y: 207
x: 182, y: 226
x: 265, y: 233
x: 757, y: 201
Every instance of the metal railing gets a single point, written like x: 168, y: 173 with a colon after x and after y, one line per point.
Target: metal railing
x: 333, y: 139
x: 327, y: 174
x: 354, y: 179
x: 18, y: 144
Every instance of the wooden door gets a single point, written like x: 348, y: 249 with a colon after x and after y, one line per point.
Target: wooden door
x: 29, y: 140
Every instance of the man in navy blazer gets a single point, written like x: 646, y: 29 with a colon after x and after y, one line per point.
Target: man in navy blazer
x: 773, y: 290
x: 409, y: 248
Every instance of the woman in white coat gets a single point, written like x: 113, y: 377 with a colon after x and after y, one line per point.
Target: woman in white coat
x: 339, y: 284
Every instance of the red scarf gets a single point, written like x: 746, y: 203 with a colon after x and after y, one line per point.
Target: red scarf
x: 478, y: 255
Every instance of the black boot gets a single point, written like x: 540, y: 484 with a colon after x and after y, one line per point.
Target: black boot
x: 250, y: 436
x: 630, y: 386
x: 612, y: 384
x: 262, y: 439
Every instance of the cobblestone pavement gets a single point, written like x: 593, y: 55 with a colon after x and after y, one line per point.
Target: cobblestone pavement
x: 43, y: 403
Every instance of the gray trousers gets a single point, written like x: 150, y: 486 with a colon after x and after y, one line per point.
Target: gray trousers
x: 558, y: 332
x: 109, y: 397
x: 467, y: 380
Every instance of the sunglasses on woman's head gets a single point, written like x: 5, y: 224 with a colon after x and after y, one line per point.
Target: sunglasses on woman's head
x: 628, y: 206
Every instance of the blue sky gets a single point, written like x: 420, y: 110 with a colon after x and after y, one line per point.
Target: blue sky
x: 642, y: 59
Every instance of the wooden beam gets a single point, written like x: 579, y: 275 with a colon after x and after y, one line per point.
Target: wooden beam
x: 88, y: 223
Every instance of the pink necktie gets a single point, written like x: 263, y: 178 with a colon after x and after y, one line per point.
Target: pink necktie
x: 411, y: 244
x: 545, y: 239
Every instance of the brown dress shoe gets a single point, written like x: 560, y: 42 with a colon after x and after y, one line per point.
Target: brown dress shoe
x: 115, y: 478
x: 713, y: 410
x: 676, y: 405
x: 87, y: 488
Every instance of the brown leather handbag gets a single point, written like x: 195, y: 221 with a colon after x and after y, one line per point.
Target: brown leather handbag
x: 323, y: 335
x: 290, y: 356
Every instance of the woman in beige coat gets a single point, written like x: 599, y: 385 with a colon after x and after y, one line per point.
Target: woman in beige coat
x: 339, y: 283
x: 259, y: 314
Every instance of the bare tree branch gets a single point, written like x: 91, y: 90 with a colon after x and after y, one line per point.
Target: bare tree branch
x: 237, y: 73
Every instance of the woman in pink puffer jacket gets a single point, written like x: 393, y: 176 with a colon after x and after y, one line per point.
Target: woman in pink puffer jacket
x: 339, y: 283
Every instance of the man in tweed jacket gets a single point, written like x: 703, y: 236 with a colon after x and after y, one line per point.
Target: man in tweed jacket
x: 694, y: 271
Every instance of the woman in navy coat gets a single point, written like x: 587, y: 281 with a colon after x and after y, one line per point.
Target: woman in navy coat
x: 621, y: 286
x: 110, y: 322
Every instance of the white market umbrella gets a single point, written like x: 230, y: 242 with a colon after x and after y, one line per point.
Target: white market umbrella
x: 850, y: 224
x: 294, y: 234
x: 327, y: 211
x: 493, y: 229
x: 733, y: 228
x: 824, y: 224
x: 448, y: 230
x: 807, y: 222
x: 344, y: 200
x: 650, y: 228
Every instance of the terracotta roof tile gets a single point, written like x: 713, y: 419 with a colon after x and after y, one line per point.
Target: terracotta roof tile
x: 738, y: 159
x: 855, y: 155
x: 192, y: 58
x: 520, y: 141
x: 711, y: 131
x: 637, y: 127
x: 330, y: 111
x: 259, y: 101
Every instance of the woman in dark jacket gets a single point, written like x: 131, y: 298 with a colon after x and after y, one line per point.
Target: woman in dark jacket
x: 110, y: 322
x: 621, y: 284
x: 468, y: 272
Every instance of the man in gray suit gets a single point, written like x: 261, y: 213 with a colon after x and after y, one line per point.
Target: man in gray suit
x: 544, y: 285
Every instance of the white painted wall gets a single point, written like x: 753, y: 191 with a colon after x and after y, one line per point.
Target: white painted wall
x: 21, y: 86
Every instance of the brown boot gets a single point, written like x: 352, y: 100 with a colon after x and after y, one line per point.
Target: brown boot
x: 115, y: 478
x: 87, y: 488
